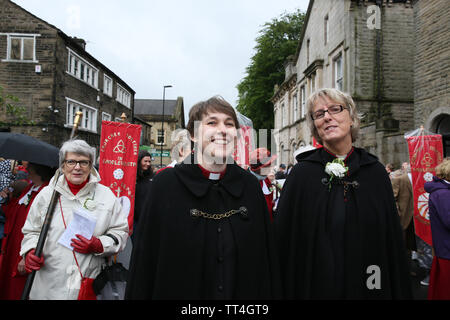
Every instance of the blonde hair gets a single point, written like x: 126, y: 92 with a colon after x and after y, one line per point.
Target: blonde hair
x: 334, y: 95
x: 443, y: 169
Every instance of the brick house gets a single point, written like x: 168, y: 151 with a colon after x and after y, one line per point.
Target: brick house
x: 162, y: 128
x: 54, y: 76
x: 347, y: 45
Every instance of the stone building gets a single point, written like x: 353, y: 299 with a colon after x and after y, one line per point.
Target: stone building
x: 54, y: 76
x: 432, y: 68
x: 364, y: 48
x: 163, y: 127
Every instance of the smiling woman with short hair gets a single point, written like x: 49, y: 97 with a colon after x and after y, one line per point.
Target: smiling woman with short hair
x: 59, y: 269
x: 337, y: 219
x: 206, y: 232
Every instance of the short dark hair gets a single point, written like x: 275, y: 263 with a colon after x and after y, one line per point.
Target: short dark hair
x: 46, y: 173
x: 201, y: 109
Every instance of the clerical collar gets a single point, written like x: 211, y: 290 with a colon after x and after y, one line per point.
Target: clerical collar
x: 342, y: 157
x: 212, y: 175
x: 76, y: 187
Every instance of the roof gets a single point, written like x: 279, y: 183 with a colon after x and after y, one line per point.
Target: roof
x: 73, y: 42
x: 154, y: 107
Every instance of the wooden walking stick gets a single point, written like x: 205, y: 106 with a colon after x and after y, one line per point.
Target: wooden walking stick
x: 48, y: 217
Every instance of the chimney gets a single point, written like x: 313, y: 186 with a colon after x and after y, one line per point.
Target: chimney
x: 80, y: 42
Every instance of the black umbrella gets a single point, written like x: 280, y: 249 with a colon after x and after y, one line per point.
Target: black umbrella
x: 18, y: 146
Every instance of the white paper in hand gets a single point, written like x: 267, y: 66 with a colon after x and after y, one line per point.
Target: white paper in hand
x: 82, y: 223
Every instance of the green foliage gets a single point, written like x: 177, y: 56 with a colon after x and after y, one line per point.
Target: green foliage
x: 277, y: 40
x: 8, y: 106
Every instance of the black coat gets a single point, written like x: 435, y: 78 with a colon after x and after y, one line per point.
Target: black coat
x: 181, y: 256
x: 143, y: 186
x: 327, y: 241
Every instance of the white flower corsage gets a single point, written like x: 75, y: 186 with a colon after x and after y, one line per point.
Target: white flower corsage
x: 335, y: 169
x: 27, y: 200
x: 90, y: 204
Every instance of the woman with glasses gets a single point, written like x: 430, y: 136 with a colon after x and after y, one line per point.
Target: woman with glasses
x: 82, y: 198
x: 338, y: 230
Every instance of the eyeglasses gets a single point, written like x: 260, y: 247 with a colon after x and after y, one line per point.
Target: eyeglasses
x: 73, y: 163
x: 334, y: 109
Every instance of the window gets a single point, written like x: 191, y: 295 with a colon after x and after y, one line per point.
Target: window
x: 161, y: 137
x: 307, y: 52
x: 20, y: 47
x: 81, y: 69
x: 106, y: 116
x: 107, y: 85
x: 89, y: 118
x: 283, y: 115
x: 303, y: 101
x: 325, y: 30
x: 338, y: 74
x: 123, y: 96
x: 295, y: 105
x: 312, y: 85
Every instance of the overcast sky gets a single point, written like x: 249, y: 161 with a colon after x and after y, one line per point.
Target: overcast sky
x: 200, y: 47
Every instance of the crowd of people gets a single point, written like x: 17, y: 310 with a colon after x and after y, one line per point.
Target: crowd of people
x: 336, y: 225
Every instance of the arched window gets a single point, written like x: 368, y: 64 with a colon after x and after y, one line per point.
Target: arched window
x: 443, y: 128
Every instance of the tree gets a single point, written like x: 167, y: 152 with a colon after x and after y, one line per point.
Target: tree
x: 9, y: 107
x: 277, y: 40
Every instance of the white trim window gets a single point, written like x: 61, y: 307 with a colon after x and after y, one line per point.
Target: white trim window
x: 81, y: 69
x: 106, y: 116
x: 89, y: 119
x: 338, y: 74
x: 123, y: 96
x: 161, y: 139
x: 20, y: 47
x: 107, y: 85
x: 303, y: 101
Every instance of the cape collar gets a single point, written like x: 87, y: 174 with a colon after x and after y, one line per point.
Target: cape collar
x: 358, y: 158
x: 192, y: 177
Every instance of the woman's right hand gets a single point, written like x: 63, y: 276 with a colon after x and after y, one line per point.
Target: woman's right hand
x: 32, y: 262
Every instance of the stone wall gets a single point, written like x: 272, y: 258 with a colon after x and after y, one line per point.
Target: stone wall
x: 432, y: 62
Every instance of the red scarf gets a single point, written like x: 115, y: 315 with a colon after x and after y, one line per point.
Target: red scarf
x: 76, y: 187
x: 206, y: 173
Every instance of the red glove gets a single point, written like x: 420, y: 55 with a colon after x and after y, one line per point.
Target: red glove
x: 33, y: 262
x: 93, y: 245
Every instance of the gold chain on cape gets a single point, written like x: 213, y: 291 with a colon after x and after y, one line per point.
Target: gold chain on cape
x: 215, y: 216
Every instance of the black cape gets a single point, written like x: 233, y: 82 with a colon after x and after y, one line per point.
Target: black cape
x: 172, y: 257
x: 328, y: 243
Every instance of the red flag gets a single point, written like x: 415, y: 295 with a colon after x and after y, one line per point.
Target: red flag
x: 243, y: 147
x: 119, y: 150
x: 316, y: 144
x: 425, y: 153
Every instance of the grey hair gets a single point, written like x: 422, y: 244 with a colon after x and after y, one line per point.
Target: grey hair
x: 334, y: 95
x: 181, y: 140
x: 80, y: 147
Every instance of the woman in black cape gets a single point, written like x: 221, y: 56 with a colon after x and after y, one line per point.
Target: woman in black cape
x: 206, y: 232
x: 337, y: 229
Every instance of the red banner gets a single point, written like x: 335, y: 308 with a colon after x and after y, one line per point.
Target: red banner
x: 425, y: 153
x: 119, y: 148
x: 243, y: 147
x: 316, y: 144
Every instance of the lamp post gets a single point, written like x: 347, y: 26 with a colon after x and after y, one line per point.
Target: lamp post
x: 162, y: 121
